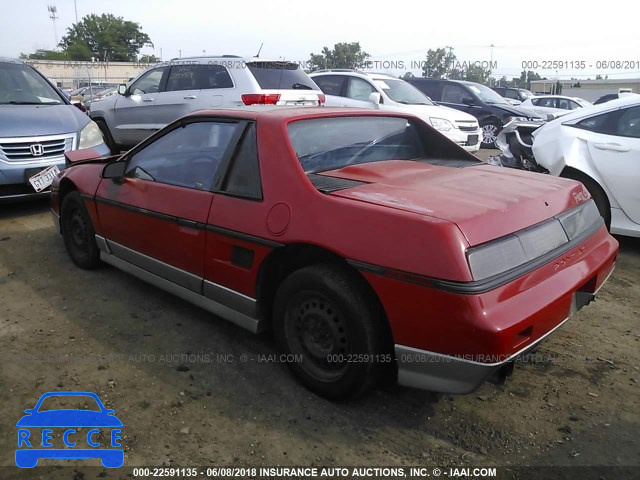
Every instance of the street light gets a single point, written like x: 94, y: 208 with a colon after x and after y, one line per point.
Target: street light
x: 491, y: 64
x: 53, y: 10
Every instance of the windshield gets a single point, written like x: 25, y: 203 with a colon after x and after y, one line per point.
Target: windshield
x: 486, y: 95
x: 281, y: 76
x: 332, y: 143
x: 22, y: 85
x: 526, y: 93
x: 69, y: 402
x: 402, y: 92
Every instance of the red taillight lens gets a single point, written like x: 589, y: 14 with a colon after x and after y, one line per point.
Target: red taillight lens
x: 260, y: 98
x: 321, y: 99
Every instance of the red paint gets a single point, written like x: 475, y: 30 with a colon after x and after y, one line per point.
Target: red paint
x: 411, y: 217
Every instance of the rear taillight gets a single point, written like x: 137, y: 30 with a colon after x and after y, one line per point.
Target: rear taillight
x: 260, y: 98
x: 321, y: 99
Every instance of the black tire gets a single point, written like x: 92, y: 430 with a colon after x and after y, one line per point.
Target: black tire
x: 490, y: 130
x: 108, y: 139
x: 324, y: 313
x: 596, y: 192
x: 78, y: 233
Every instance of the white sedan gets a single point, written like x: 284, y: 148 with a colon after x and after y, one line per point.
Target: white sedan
x: 555, y: 105
x: 599, y: 146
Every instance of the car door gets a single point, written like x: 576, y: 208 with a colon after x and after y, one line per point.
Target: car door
x: 458, y: 97
x: 334, y: 87
x: 136, y: 112
x: 233, y: 255
x: 155, y: 217
x: 216, y: 87
x: 180, y: 96
x: 613, y: 140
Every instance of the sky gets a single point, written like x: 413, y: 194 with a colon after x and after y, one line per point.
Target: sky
x: 397, y: 34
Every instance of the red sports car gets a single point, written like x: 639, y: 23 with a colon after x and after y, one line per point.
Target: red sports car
x: 369, y: 243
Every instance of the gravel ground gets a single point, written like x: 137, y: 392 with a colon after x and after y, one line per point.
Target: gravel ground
x: 165, y: 367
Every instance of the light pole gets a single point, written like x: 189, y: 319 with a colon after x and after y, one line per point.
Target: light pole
x: 53, y: 10
x: 491, y: 64
x: 75, y: 6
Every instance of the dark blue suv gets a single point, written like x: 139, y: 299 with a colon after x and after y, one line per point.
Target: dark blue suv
x: 491, y: 110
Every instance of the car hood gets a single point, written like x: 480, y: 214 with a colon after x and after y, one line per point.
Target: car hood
x: 514, y: 111
x: 69, y: 418
x: 436, y: 111
x: 486, y: 202
x: 32, y: 120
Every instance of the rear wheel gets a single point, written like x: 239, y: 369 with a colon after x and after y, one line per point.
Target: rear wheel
x: 78, y: 233
x: 326, y: 320
x: 597, y: 193
x: 490, y: 131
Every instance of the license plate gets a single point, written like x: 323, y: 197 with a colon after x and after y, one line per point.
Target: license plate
x: 44, y: 179
x: 472, y: 139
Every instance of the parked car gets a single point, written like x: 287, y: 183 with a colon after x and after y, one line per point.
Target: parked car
x: 38, y: 126
x: 107, y: 92
x: 554, y: 105
x: 612, y: 96
x: 371, y: 244
x: 514, y: 95
x: 600, y: 147
x: 352, y: 88
x: 491, y: 110
x: 171, y: 90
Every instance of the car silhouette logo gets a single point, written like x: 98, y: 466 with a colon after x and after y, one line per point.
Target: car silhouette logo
x: 36, y: 431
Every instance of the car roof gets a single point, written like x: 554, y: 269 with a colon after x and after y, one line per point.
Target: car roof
x: 12, y: 60
x: 356, y: 73
x: 286, y: 114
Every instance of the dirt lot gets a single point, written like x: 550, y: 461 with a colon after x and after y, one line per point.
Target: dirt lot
x: 104, y: 331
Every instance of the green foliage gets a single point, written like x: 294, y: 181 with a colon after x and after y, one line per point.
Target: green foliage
x: 441, y: 63
x: 343, y: 55
x: 104, y: 37
x: 42, y: 54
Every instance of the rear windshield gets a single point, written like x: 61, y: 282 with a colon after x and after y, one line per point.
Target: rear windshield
x: 331, y: 143
x: 22, y: 85
x: 281, y: 76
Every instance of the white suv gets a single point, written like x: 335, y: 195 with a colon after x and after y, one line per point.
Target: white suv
x: 352, y: 88
x: 170, y: 90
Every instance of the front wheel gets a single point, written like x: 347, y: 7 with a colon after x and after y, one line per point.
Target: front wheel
x: 490, y: 131
x: 328, y: 323
x: 78, y: 233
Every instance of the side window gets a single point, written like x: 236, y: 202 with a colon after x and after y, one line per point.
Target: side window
x: 243, y: 177
x: 182, y: 77
x: 628, y: 124
x: 573, y: 105
x: 563, y: 103
x: 212, y: 76
x: 359, y: 89
x: 149, y: 82
x: 454, y: 94
x: 330, y: 84
x: 604, y: 123
x: 188, y: 156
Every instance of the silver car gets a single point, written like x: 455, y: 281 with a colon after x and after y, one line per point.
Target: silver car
x: 38, y: 125
x: 173, y: 89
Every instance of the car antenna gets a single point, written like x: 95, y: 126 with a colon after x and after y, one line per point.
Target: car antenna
x: 259, y: 50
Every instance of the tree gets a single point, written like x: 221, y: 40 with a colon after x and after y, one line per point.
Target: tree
x: 343, y: 55
x: 477, y: 73
x: 439, y: 63
x: 104, y: 37
x: 408, y: 75
x: 525, y: 79
x: 42, y: 54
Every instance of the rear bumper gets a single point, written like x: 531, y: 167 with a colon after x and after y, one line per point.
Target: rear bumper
x: 452, y: 342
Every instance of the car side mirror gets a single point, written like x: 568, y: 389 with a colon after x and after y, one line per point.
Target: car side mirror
x: 109, y: 411
x: 376, y: 99
x: 29, y: 410
x: 122, y: 89
x: 114, y: 170
x: 468, y: 101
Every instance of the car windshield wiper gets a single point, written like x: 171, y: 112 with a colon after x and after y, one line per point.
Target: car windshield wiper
x: 301, y: 86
